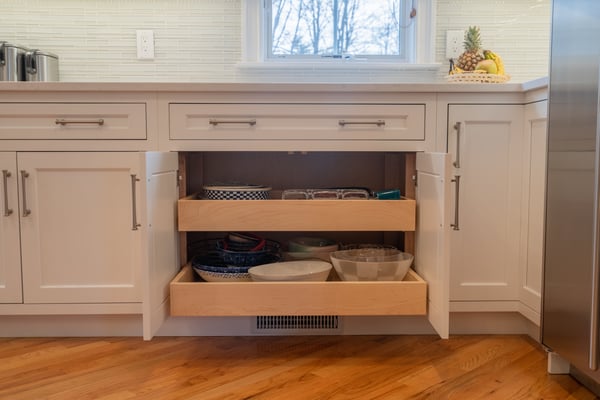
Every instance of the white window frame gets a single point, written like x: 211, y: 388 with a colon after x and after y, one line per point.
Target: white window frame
x: 254, y: 52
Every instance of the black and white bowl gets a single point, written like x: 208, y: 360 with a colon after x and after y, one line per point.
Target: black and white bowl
x: 236, y: 192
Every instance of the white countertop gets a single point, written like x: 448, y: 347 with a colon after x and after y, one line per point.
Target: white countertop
x: 271, y: 87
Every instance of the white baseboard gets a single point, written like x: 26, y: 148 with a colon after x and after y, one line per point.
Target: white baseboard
x: 70, y: 325
x: 131, y: 325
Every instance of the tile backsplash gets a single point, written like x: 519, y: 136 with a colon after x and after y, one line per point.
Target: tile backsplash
x: 200, y: 40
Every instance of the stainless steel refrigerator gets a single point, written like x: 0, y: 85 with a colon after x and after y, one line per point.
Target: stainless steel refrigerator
x: 570, y: 316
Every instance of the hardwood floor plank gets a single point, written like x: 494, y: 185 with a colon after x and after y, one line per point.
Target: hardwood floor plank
x: 289, y: 368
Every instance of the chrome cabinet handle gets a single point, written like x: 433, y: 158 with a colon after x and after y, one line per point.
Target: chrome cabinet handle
x: 457, y: 127
x: 64, y: 122
x: 455, y: 225
x: 5, y: 175
x: 379, y: 122
x: 24, y: 176
x: 216, y: 122
x: 134, y: 222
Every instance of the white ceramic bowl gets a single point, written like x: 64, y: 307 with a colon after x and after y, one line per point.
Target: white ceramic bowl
x: 371, y: 264
x: 300, y: 270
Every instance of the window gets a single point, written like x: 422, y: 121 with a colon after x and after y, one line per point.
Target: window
x: 340, y: 29
x: 298, y: 32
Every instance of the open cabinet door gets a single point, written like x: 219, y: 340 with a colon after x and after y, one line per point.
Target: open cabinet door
x: 432, y: 242
x: 162, y: 253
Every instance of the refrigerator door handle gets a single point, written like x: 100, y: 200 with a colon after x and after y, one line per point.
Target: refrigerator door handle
x: 593, y: 360
x: 594, y: 339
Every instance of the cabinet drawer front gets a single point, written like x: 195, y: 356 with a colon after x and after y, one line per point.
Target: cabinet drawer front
x: 193, y: 298
x: 64, y: 121
x: 394, y: 122
x: 297, y: 215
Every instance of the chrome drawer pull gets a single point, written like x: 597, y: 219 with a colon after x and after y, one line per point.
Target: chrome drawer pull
x: 134, y: 223
x: 379, y: 122
x: 457, y: 129
x: 5, y: 175
x: 456, y: 200
x: 216, y: 122
x: 64, y: 122
x: 24, y: 176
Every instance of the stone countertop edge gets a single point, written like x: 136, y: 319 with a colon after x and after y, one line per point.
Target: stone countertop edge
x: 272, y: 87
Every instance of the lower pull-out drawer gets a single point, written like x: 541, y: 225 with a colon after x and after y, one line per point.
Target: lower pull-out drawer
x: 192, y: 297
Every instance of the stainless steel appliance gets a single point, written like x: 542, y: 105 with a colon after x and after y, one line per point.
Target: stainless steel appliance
x: 41, y: 66
x: 12, y: 62
x: 570, y: 317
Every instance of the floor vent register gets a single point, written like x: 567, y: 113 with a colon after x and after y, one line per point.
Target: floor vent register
x: 287, y: 324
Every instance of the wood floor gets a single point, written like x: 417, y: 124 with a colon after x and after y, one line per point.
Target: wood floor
x: 288, y: 368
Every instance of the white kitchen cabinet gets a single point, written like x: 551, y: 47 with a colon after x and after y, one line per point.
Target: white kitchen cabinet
x: 95, y: 228
x: 294, y: 136
x: 533, y: 206
x: 10, y: 250
x: 485, y: 143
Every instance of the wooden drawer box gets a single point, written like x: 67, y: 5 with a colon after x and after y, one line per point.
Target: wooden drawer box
x: 190, y: 297
x: 72, y: 121
x: 296, y: 215
x: 317, y: 122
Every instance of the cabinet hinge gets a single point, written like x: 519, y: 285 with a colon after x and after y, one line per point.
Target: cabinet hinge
x: 414, y: 179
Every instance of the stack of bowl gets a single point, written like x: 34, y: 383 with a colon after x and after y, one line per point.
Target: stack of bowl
x: 228, y: 259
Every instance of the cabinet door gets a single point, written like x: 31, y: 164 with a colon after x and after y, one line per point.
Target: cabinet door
x: 432, y: 235
x: 10, y: 255
x: 534, y: 193
x: 485, y: 142
x: 162, y: 251
x: 80, y: 242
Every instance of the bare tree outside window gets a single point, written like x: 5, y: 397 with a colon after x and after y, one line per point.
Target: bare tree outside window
x: 339, y: 28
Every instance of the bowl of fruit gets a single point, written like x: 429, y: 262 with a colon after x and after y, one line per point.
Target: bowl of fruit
x: 475, y: 65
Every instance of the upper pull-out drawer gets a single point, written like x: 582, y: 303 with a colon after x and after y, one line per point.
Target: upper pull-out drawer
x: 396, y: 122
x: 66, y: 121
x: 296, y: 215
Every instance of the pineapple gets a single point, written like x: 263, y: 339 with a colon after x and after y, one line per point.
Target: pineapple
x: 472, y: 54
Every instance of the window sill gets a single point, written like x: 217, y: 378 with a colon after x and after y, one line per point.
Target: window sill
x: 340, y: 72
x: 348, y: 66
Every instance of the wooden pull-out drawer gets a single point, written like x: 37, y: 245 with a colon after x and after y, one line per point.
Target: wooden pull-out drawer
x: 317, y: 122
x: 191, y: 297
x: 296, y: 215
x: 77, y: 121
